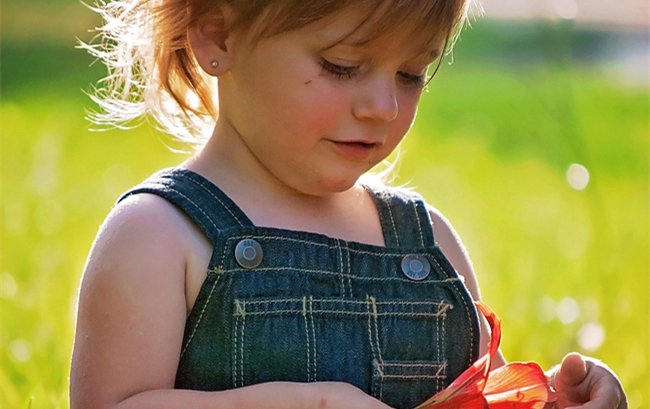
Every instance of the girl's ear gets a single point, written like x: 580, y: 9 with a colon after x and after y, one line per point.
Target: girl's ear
x: 208, y: 41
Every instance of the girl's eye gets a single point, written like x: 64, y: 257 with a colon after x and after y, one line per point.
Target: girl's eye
x: 412, y: 79
x: 338, y: 71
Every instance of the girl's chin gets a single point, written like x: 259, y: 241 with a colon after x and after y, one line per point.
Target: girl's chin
x: 330, y: 186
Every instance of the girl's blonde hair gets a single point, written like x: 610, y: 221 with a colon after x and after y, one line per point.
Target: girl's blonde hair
x: 152, y: 71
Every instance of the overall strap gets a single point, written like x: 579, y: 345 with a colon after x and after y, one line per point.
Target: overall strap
x: 404, y: 217
x: 197, y: 197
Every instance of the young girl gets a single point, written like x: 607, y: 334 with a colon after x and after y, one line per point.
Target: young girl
x: 262, y: 272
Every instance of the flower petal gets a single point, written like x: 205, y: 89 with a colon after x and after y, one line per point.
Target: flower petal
x: 518, y: 385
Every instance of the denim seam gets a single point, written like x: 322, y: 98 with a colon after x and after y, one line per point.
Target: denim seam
x: 348, y: 271
x: 343, y: 312
x: 376, y: 385
x: 174, y: 190
x: 235, y: 352
x: 461, y: 296
x: 341, y: 273
x: 373, y: 314
x: 313, y: 333
x: 415, y: 364
x: 377, y: 344
x: 374, y: 318
x: 373, y: 347
x: 442, y: 378
x: 419, y: 223
x: 384, y: 376
x: 312, y: 243
x: 238, y: 350
x: 324, y: 272
x: 392, y: 222
x: 241, y: 355
x: 214, y: 196
x: 442, y: 305
x: 438, y: 348
x: 307, y: 338
x: 198, y: 322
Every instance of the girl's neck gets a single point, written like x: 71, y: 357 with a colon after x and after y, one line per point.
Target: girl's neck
x: 349, y: 215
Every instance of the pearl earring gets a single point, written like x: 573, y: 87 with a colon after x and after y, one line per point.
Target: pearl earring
x: 214, y: 64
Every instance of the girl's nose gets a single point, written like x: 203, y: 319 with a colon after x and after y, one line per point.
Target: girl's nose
x: 377, y: 101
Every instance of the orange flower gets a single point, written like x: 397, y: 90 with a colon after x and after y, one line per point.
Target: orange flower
x: 517, y: 385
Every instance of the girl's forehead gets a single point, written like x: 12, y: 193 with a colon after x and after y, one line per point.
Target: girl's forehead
x: 355, y: 29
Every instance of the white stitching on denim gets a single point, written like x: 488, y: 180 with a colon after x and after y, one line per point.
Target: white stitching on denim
x: 374, y: 315
x: 442, y: 305
x: 462, y: 298
x: 214, y: 196
x: 238, y: 351
x: 438, y: 345
x: 241, y: 355
x: 269, y: 237
x: 324, y: 272
x: 195, y: 205
x: 348, y: 272
x: 313, y: 333
x: 381, y: 383
x: 412, y: 376
x: 235, y: 351
x: 413, y: 364
x: 370, y: 341
x: 417, y: 217
x: 378, y: 390
x: 443, y: 376
x: 340, y: 251
x: 378, y: 253
x: 342, y: 312
x: 371, y: 308
x: 392, y: 222
x: 304, y: 316
x: 196, y: 326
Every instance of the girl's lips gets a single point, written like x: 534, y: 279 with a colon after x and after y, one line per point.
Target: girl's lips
x: 356, y: 150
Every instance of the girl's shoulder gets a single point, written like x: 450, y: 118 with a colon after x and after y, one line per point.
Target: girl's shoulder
x: 146, y: 239
x: 148, y: 220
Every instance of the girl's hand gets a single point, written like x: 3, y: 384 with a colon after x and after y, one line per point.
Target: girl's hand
x: 586, y: 383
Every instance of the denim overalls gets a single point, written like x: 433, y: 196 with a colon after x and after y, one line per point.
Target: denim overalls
x: 279, y: 305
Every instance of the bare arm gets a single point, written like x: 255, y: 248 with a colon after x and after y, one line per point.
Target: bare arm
x: 451, y: 245
x: 131, y: 317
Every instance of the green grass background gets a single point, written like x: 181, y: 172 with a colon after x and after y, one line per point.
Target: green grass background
x: 496, y: 133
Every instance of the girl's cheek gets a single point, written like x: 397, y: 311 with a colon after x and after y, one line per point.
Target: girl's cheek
x: 325, y: 104
x: 408, y: 106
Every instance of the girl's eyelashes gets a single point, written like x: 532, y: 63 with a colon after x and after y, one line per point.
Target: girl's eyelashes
x: 338, y: 71
x: 415, y: 80
x: 343, y: 71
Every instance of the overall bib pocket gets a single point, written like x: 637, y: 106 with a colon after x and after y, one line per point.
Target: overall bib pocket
x: 389, y: 348
x: 412, y: 381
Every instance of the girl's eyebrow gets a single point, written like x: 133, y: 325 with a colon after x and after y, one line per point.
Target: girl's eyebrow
x: 349, y: 41
x: 352, y: 40
x: 361, y: 42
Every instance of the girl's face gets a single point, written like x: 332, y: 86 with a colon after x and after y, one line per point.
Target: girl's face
x: 317, y: 107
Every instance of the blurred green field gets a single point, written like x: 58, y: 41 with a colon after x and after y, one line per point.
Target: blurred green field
x: 565, y: 269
